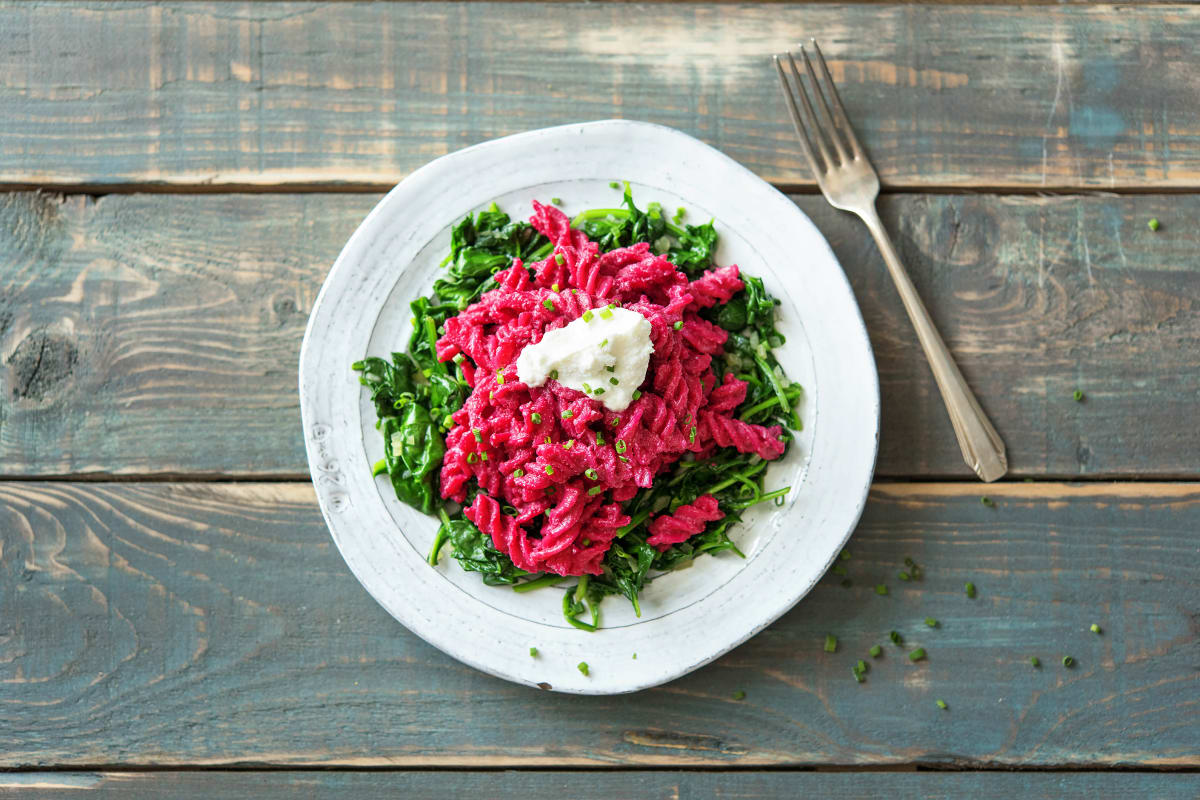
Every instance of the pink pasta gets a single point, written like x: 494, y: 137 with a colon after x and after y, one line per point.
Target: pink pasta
x: 551, y: 485
x: 684, y: 523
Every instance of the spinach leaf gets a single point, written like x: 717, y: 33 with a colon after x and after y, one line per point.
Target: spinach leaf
x: 474, y: 552
x: 413, y: 451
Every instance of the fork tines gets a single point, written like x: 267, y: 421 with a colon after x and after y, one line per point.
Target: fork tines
x: 825, y: 133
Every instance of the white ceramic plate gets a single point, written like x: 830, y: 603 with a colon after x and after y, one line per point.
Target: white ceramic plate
x: 688, y: 617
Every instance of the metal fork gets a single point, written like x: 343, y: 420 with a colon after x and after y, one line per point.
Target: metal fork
x: 849, y: 182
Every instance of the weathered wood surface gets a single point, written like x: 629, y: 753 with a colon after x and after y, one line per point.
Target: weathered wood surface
x: 233, y: 94
x: 148, y: 334
x: 209, y: 624
x: 607, y: 785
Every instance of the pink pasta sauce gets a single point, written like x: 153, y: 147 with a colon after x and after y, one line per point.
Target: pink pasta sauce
x: 514, y: 440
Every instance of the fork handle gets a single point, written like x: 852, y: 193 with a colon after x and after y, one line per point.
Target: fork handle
x: 982, y: 447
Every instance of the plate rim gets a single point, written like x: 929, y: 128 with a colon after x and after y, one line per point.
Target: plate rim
x: 315, y: 454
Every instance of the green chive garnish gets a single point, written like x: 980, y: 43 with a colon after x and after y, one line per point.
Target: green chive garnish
x: 678, y: 324
x: 881, y: 588
x: 970, y: 589
x: 614, y: 381
x: 904, y: 576
x: 692, y: 435
x: 830, y: 643
x: 857, y: 675
x: 931, y: 622
x: 1095, y: 628
x: 556, y: 200
x: 483, y: 456
x: 739, y: 695
x: 917, y: 655
x: 568, y: 444
x: 621, y: 445
x: 548, y: 304
x: 554, y: 286
x: 588, y: 315
x: 861, y: 666
x: 518, y: 473
x: 583, y: 667
x: 1078, y: 395
x: 605, y: 314
x: 941, y: 704
x: 1034, y: 660
x: 558, y: 259
x: 1153, y: 224
x: 636, y: 394
x: 896, y: 637
x: 987, y: 501
x: 844, y: 555
x: 610, y: 367
x: 599, y: 440
x: 614, y: 185
x: 549, y: 470
x: 536, y: 417
x: 595, y: 490
x: 838, y: 569
x: 1068, y: 662
x: 875, y: 651
x: 599, y: 391
x: 472, y: 458
x: 591, y: 474
x: 587, y: 389
x: 568, y: 414
x: 533, y: 652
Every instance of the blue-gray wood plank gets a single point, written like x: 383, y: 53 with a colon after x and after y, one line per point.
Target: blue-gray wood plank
x: 215, y: 624
x: 339, y: 93
x: 143, y: 334
x: 532, y: 785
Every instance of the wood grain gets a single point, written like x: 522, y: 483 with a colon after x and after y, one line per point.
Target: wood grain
x: 215, y: 624
x: 148, y: 334
x: 335, y: 94
x: 607, y: 785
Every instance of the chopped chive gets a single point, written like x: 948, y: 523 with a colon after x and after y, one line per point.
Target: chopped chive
x: 478, y: 434
x: 610, y: 368
x: 941, y: 704
x: 599, y: 391
x: 1034, y: 660
x: 548, y: 304
x: 1152, y: 224
x: 554, y: 374
x: 857, y: 675
x: 558, y: 259
x: 636, y: 394
x: 568, y: 414
x: 595, y: 490
x: 554, y: 286
x: 588, y: 315
x: 739, y: 695
x: 861, y: 666
x: 472, y: 458
x: 518, y: 473
x: 568, y: 444
x: 830, y: 643
x: 917, y: 655
x: 614, y: 185
x: 1078, y: 395
x: 533, y: 652
x: 483, y: 456
x: 987, y: 501
x: 591, y: 474
x: 615, y: 421
x: 606, y: 314
x: 556, y: 201
x: 536, y: 418
x: 875, y: 651
x: 931, y: 622
x: 1095, y: 628
x: 582, y: 667
x: 500, y: 378
x: 549, y: 470
x: 604, y: 343
x: 847, y: 583
x: 678, y: 324
x: 881, y: 588
x: 904, y: 576
x: 624, y: 459
x: 586, y: 389
x: 838, y: 569
x: 614, y: 381
x: 548, y: 440
x: 970, y: 589
x: 896, y: 637
x: 599, y: 440
x: 635, y: 656
x: 611, y: 306
x: 620, y: 445
x: 1068, y: 662
x: 844, y: 555
x: 692, y: 435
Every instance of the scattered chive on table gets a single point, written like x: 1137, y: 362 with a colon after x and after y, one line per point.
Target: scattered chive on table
x: 177, y: 180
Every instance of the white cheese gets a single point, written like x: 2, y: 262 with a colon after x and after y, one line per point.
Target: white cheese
x: 603, y: 354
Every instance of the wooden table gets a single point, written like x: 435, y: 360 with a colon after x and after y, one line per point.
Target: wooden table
x: 177, y: 179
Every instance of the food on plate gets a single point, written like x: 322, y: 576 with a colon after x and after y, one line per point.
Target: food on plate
x: 591, y: 399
